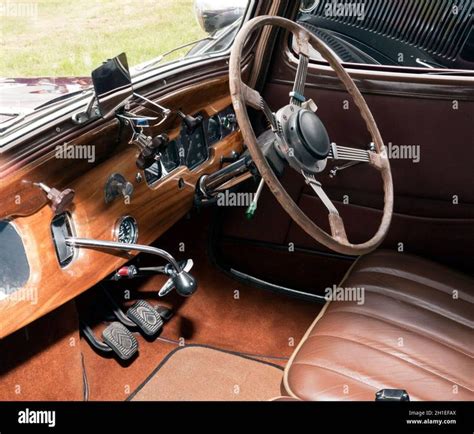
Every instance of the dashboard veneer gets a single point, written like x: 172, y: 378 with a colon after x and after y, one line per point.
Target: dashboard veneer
x: 155, y: 208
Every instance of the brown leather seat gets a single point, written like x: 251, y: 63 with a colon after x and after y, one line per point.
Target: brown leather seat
x: 414, y: 331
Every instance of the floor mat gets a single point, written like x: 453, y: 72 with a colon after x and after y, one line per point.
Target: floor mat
x: 197, y: 373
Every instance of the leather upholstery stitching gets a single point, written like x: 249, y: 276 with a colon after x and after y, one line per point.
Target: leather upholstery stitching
x: 342, y: 374
x: 403, y: 291
x: 417, y: 302
x: 443, y: 288
x: 403, y: 327
x: 286, y: 383
x: 461, y: 384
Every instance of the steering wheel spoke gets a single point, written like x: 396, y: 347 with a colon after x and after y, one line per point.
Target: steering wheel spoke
x: 338, y: 152
x: 335, y: 221
x: 302, y: 46
x: 256, y: 101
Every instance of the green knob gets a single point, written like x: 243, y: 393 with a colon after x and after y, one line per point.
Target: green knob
x: 251, y: 211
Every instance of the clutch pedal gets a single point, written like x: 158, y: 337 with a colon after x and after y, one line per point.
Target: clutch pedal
x: 121, y: 340
x: 145, y: 316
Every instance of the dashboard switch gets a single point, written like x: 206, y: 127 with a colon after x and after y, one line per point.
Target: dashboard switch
x: 117, y: 186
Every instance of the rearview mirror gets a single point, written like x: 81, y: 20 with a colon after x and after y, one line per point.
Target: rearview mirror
x: 112, y: 84
x: 213, y: 16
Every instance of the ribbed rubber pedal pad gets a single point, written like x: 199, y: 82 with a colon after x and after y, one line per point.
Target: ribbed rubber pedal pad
x: 145, y: 316
x: 119, y: 338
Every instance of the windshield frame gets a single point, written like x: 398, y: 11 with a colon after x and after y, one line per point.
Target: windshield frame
x: 40, y: 119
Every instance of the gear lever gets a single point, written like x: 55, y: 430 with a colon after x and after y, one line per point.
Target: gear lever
x: 185, y: 283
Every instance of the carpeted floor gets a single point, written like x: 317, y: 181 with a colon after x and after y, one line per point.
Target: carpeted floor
x: 47, y: 360
x: 197, y: 373
x: 260, y: 324
x: 42, y: 362
x: 223, y: 314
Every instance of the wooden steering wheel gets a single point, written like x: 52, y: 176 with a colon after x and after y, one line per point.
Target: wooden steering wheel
x: 302, y: 140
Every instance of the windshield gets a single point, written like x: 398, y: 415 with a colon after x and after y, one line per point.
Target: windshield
x: 50, y: 47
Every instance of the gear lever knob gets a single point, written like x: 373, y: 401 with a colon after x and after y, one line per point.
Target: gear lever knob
x: 184, y: 283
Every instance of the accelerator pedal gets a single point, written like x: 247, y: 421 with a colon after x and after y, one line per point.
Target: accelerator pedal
x: 119, y: 338
x: 145, y: 316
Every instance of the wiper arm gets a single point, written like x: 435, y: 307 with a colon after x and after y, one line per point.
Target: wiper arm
x: 60, y: 98
x: 166, y: 54
x: 6, y: 125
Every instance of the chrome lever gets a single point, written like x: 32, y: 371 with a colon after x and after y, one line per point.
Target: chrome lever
x: 184, y: 283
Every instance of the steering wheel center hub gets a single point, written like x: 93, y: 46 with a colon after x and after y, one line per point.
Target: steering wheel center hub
x: 306, y: 129
x: 306, y: 142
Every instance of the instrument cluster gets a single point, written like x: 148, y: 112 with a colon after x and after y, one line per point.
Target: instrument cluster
x: 191, y: 148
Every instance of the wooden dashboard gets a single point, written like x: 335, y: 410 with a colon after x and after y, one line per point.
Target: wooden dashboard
x: 154, y: 208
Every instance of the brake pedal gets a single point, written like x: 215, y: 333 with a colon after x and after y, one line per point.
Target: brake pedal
x: 121, y: 340
x: 145, y: 316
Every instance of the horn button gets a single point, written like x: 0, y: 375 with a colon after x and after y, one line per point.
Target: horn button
x: 307, y: 134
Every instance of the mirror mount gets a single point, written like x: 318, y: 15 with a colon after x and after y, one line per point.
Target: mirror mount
x: 92, y: 112
x: 112, y: 88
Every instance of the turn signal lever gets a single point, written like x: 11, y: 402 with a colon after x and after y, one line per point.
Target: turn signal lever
x: 185, y: 283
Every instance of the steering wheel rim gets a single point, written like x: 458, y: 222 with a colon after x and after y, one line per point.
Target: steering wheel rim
x: 242, y: 95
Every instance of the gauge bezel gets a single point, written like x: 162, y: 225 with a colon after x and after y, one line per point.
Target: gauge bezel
x: 119, y: 222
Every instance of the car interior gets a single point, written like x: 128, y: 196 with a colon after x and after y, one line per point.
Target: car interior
x: 291, y: 219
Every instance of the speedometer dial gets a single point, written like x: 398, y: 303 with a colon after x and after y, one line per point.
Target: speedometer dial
x: 126, y: 230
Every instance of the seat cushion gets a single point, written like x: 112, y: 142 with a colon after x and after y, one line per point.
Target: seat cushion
x: 413, y: 331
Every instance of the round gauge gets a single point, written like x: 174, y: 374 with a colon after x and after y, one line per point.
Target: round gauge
x: 213, y: 130
x: 126, y: 230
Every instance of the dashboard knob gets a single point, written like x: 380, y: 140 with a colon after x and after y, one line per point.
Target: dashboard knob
x: 145, y: 159
x: 192, y: 122
x: 160, y: 142
x: 117, y: 186
x: 60, y: 200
